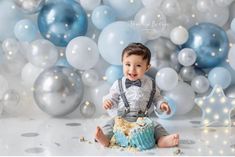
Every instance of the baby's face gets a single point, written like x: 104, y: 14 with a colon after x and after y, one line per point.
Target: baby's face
x: 134, y: 67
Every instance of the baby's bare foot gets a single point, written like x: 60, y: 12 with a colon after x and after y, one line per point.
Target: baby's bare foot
x: 168, y: 141
x: 101, y: 138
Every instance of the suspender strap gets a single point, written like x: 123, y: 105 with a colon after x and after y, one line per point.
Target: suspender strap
x: 123, y: 96
x: 151, y: 95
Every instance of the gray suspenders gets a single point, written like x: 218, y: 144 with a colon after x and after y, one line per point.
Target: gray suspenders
x: 127, y: 106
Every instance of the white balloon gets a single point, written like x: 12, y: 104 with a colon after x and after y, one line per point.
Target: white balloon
x: 179, y: 35
x: 171, y: 7
x: 82, y: 53
x: 153, y: 4
x: 204, y: 5
x: 231, y: 57
x: 29, y: 74
x: 200, y: 84
x: 90, y: 4
x: 166, y: 78
x: 187, y: 57
x: 97, y: 94
x: 151, y: 22
x: 42, y: 53
x: 90, y: 77
x: 223, y: 3
x: 183, y: 96
x: 3, y: 85
x: 10, y: 45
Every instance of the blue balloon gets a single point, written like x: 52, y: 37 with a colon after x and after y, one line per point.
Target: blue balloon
x: 102, y: 16
x: 9, y: 15
x: 219, y: 76
x: 63, y: 62
x: 114, y: 38
x: 113, y: 73
x: 210, y: 42
x: 172, y: 106
x: 62, y: 20
x: 25, y: 30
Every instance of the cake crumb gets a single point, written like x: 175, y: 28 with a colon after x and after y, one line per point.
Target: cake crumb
x: 82, y: 139
x: 178, y: 152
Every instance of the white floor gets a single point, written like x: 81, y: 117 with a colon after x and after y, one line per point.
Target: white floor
x: 40, y: 134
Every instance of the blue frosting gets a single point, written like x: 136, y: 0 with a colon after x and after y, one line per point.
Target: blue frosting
x: 141, y: 137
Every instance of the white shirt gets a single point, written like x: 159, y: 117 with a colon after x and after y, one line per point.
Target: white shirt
x: 137, y: 97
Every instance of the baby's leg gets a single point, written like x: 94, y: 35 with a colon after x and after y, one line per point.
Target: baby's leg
x: 104, y: 135
x: 101, y: 138
x: 168, y: 141
x: 163, y: 139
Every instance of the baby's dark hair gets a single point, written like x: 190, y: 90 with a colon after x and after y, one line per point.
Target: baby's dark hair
x: 137, y: 49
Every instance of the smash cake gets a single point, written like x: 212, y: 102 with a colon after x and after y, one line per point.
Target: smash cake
x: 139, y: 134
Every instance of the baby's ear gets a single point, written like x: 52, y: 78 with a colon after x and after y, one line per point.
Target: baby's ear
x: 148, y: 67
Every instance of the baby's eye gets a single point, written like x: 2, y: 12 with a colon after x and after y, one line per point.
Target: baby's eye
x: 127, y: 64
x: 138, y: 65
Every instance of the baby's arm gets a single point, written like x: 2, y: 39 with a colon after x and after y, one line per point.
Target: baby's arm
x: 159, y: 102
x: 110, y: 101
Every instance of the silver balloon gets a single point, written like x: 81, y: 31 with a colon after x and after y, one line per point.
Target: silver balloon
x: 1, y: 107
x: 10, y: 100
x: 58, y: 91
x: 230, y: 91
x: 87, y: 109
x: 200, y: 84
x: 30, y: 6
x: 187, y: 73
x: 187, y: 56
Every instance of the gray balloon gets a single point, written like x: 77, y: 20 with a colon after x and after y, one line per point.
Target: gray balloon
x: 58, y: 91
x: 200, y: 84
x: 230, y: 91
x: 161, y: 48
x: 187, y: 73
x: 30, y: 6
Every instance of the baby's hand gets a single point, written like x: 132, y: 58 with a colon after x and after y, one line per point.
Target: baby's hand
x: 107, y: 104
x: 165, y: 108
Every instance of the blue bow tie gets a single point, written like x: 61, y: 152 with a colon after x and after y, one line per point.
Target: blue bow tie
x: 129, y: 83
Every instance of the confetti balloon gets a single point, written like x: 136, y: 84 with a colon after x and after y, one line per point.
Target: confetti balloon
x: 58, y: 91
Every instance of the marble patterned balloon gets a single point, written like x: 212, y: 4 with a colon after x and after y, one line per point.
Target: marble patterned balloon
x: 58, y: 91
x: 62, y: 20
x: 210, y: 42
